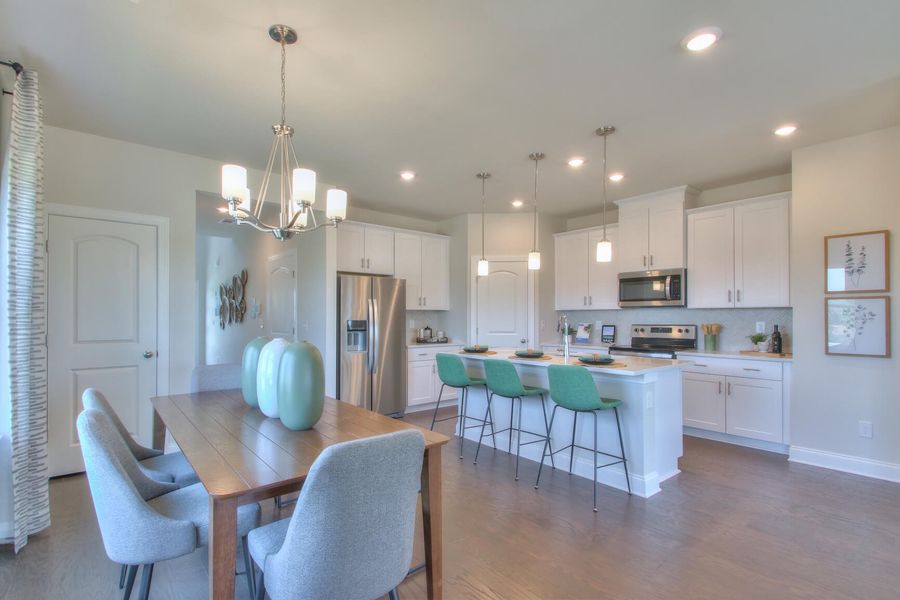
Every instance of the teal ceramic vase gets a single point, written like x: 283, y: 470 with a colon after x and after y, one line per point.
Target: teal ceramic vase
x: 249, y: 364
x: 267, y: 376
x: 301, y: 386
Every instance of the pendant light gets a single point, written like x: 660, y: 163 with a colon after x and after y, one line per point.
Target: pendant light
x: 534, y: 257
x: 484, y: 267
x: 604, y: 246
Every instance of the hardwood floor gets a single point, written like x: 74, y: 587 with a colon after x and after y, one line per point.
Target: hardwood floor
x: 736, y: 523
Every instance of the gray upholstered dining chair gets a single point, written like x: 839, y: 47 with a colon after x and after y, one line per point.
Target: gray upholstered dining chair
x: 144, y: 521
x: 162, y: 467
x: 351, y: 534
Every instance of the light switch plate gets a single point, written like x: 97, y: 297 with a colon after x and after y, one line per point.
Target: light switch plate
x: 865, y: 429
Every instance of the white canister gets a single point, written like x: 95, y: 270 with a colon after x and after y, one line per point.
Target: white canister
x: 267, y: 376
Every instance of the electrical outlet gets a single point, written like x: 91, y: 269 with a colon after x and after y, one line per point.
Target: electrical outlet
x: 412, y: 323
x: 865, y: 429
x: 760, y: 327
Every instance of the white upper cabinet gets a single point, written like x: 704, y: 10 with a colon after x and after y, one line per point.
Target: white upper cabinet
x: 424, y: 262
x: 408, y: 266
x: 739, y: 254
x: 379, y: 251
x: 762, y: 253
x: 365, y: 249
x: 435, y: 273
x: 571, y: 257
x: 711, y: 258
x: 603, y: 278
x: 651, y: 230
x: 581, y: 282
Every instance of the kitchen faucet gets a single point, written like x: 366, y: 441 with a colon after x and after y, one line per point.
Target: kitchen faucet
x: 562, y: 324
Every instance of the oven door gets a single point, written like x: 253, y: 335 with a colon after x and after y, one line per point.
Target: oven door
x: 665, y: 287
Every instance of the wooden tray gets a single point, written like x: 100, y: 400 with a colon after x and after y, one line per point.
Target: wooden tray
x: 767, y: 354
x: 485, y: 353
x: 544, y: 357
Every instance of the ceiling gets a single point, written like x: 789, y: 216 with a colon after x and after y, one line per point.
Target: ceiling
x: 451, y: 88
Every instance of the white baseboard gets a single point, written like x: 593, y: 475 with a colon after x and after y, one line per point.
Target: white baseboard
x: 430, y: 405
x: 844, y: 462
x: 737, y: 440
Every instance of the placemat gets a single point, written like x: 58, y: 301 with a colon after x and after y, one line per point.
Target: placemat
x: 545, y: 357
x: 486, y: 352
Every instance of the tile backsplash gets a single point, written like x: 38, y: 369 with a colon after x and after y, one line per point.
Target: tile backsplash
x: 436, y: 319
x: 737, y: 323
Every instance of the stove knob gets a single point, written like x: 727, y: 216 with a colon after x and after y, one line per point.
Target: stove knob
x: 642, y: 330
x: 679, y: 331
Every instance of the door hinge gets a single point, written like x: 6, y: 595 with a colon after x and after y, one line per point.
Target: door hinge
x: 293, y: 274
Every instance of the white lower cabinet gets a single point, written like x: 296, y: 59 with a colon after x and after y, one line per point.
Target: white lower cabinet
x: 422, y: 382
x: 737, y: 397
x: 753, y: 408
x: 704, y: 401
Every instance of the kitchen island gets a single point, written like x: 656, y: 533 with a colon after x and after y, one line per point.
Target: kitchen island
x: 651, y: 414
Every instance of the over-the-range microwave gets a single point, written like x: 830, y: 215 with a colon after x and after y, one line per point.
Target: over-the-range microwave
x: 663, y: 287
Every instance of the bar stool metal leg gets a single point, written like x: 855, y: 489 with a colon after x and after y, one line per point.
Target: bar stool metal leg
x: 595, y: 459
x: 487, y: 415
x: 518, y: 437
x: 622, y: 447
x: 537, y: 482
x: 572, y: 450
x: 437, y: 406
x: 512, y: 405
x: 493, y: 437
x: 464, y: 399
x: 547, y: 426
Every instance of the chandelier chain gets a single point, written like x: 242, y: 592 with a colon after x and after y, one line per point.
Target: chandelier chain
x: 283, y: 80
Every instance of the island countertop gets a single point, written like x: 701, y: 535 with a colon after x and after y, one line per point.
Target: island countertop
x: 630, y: 365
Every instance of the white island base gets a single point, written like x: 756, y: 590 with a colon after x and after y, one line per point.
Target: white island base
x: 651, y: 415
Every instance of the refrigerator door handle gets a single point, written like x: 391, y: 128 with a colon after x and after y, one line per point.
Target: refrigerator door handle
x: 370, y: 334
x: 373, y: 325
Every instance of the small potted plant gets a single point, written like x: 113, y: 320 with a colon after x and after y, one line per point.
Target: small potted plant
x: 759, y: 340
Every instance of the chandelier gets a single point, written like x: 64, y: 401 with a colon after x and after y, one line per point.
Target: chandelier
x: 297, y: 192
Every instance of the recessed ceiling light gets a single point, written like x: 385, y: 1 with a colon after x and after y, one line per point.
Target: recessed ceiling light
x: 408, y: 175
x: 785, y: 130
x: 617, y: 177
x: 517, y: 203
x: 576, y: 162
x: 700, y: 40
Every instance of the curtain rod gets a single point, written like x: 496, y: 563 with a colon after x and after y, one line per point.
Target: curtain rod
x: 18, y: 68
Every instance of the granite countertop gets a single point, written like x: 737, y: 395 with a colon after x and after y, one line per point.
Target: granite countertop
x: 633, y: 365
x: 688, y: 354
x: 440, y: 345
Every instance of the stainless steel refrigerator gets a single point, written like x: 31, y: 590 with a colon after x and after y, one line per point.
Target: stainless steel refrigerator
x: 372, y: 333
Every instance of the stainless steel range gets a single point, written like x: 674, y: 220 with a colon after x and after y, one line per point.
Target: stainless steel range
x: 658, y: 341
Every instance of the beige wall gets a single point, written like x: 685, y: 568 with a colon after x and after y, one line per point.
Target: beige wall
x: 843, y: 186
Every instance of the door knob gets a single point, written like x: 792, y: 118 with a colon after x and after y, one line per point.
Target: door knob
x: 149, y: 354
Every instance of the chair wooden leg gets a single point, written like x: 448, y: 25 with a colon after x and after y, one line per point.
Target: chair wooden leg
x: 146, y: 576
x: 248, y: 566
x: 129, y: 582
x: 122, y: 573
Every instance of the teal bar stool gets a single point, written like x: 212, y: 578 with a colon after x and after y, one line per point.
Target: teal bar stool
x: 503, y: 380
x: 573, y: 388
x: 452, y: 373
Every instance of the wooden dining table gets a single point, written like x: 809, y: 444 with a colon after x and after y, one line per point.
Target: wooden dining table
x: 242, y: 456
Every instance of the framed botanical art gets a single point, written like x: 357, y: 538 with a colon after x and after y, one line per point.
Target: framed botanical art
x: 858, y: 326
x: 857, y: 262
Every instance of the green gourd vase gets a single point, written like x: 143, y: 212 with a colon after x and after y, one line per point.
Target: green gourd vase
x: 249, y: 365
x: 301, y: 386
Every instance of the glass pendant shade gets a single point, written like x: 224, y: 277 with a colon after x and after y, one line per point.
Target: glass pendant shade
x: 245, y: 200
x: 534, y: 261
x: 604, y: 251
x: 336, y: 205
x: 484, y: 268
x: 234, y: 181
x: 303, y: 189
x: 303, y: 219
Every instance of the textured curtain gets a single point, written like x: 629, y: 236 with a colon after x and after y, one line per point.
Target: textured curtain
x: 24, y: 326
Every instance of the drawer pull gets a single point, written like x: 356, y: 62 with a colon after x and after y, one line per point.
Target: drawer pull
x: 700, y: 365
x: 423, y: 354
x: 749, y: 369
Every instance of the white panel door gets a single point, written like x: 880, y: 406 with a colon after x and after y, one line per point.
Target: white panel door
x: 710, y: 269
x: 633, y: 240
x: 420, y: 382
x: 753, y: 408
x: 102, y: 309
x: 666, y: 237
x: 502, y: 299
x: 571, y: 271
x: 281, y: 294
x: 408, y: 266
x: 603, y: 290
x: 351, y: 248
x: 762, y: 253
x: 704, y: 401
x: 435, y: 273
x: 379, y: 251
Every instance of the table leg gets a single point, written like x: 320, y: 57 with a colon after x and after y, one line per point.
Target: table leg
x: 222, y: 545
x: 159, y: 432
x: 431, y: 520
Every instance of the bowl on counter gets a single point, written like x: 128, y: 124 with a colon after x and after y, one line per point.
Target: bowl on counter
x: 596, y: 359
x: 530, y: 353
x: 476, y: 349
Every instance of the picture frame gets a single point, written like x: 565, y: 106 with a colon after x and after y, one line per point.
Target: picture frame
x: 858, y: 326
x: 857, y: 263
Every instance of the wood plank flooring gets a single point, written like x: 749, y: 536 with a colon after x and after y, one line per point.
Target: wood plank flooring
x: 736, y: 523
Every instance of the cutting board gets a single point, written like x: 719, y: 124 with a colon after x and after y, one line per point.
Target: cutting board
x: 767, y: 354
